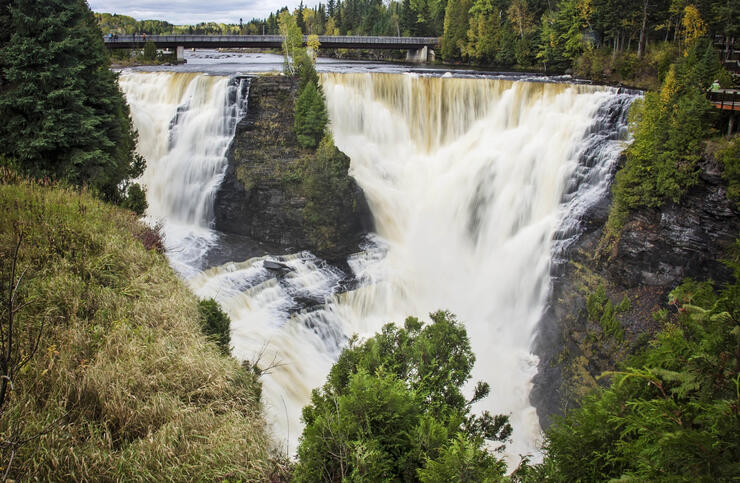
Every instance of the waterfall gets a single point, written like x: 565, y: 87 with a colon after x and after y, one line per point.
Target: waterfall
x: 185, y: 123
x: 477, y: 186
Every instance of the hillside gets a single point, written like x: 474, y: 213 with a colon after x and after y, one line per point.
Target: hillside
x: 123, y: 386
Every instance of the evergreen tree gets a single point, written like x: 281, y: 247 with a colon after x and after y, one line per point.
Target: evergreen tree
x: 310, y: 116
x: 63, y: 114
x: 392, y: 410
x: 299, y: 18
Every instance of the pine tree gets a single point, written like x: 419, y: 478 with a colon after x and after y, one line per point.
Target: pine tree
x: 63, y: 114
x: 310, y: 116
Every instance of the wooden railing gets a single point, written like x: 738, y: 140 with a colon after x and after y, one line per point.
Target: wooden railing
x: 725, y: 99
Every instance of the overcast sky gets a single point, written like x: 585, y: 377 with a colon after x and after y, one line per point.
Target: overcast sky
x: 194, y: 11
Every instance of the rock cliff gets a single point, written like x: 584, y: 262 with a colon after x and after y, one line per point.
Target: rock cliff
x: 657, y: 249
x: 264, y: 193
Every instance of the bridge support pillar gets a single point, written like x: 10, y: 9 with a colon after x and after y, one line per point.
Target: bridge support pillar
x: 180, y: 53
x: 418, y: 56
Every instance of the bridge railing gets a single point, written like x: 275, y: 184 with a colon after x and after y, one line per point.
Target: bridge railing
x: 277, y: 39
x: 725, y: 99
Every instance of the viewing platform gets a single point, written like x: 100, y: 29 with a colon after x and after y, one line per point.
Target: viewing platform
x: 419, y: 47
x: 725, y: 99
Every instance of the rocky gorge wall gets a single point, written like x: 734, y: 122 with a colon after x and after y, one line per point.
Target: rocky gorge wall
x: 265, y: 194
x: 580, y: 337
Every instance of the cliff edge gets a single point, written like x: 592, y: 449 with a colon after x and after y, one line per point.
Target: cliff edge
x: 601, y: 308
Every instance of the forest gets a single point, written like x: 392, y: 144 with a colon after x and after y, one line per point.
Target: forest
x: 606, y: 40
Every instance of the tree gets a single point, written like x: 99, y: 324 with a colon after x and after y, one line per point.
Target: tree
x: 392, y: 409
x: 693, y: 25
x: 215, y: 323
x: 63, y: 114
x: 292, y: 41
x: 455, y: 28
x: 669, y: 127
x: 150, y: 50
x: 312, y: 45
x: 310, y: 115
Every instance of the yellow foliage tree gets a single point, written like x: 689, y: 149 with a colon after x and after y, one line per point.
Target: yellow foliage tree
x: 692, y: 25
x: 312, y: 45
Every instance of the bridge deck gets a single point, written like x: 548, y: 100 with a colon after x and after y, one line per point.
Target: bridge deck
x: 267, y: 41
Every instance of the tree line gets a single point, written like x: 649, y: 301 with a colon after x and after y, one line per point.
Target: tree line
x: 551, y: 34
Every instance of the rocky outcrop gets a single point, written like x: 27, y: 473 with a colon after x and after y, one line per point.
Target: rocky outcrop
x: 661, y: 247
x: 657, y: 249
x: 264, y: 194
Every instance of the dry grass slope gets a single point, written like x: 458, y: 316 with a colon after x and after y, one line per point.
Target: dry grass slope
x: 124, y: 386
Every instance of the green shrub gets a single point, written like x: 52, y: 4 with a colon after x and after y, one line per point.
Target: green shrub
x: 215, y: 323
x: 728, y: 154
x: 672, y: 413
x: 392, y: 409
x: 602, y: 311
x: 136, y: 199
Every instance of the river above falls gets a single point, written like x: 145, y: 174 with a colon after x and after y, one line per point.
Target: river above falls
x: 227, y: 63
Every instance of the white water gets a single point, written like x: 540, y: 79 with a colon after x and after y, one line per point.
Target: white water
x: 185, y: 122
x: 474, y: 184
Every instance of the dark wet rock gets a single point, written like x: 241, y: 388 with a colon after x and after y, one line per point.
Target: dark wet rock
x: 661, y: 247
x: 263, y: 195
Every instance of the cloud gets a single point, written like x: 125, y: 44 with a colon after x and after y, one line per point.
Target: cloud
x: 184, y: 12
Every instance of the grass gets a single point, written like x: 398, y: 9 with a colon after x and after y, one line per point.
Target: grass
x: 124, y: 386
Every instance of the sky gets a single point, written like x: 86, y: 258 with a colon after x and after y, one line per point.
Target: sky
x: 182, y: 12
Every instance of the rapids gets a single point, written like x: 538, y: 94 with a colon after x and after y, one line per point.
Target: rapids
x: 476, y: 187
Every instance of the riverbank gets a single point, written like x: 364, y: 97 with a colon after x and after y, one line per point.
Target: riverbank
x: 122, y: 384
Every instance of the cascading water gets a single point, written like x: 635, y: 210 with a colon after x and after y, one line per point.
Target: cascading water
x: 475, y: 185
x: 186, y: 122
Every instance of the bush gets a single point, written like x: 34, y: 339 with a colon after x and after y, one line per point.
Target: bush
x: 215, y: 323
x: 602, y: 311
x: 392, y: 409
x: 672, y: 413
x: 136, y: 199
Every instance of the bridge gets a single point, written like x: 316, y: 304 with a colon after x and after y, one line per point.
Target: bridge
x: 419, y: 48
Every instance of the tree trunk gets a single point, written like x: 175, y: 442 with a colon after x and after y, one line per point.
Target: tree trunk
x: 668, y: 29
x: 616, y: 44
x: 640, y: 45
